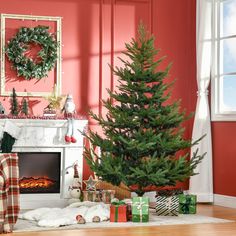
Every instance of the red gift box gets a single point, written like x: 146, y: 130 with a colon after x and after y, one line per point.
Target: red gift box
x: 118, y: 212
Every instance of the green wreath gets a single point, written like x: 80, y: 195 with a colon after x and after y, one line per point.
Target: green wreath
x: 46, y: 58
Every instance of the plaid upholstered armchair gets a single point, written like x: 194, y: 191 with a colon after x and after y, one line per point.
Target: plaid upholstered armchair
x: 9, y: 191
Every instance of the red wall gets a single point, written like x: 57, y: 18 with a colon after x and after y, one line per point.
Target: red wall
x: 174, y: 28
x: 94, y: 33
x: 224, y: 161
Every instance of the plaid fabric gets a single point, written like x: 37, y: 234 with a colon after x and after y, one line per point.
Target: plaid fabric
x: 9, y: 191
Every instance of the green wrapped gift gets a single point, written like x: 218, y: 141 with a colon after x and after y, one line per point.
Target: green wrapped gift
x: 187, y: 204
x: 140, y: 209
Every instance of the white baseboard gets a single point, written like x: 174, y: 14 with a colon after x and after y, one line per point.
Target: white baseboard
x: 225, y: 201
x: 220, y: 200
x: 203, y: 197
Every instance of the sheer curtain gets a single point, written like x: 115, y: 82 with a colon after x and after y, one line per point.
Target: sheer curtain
x: 202, y: 184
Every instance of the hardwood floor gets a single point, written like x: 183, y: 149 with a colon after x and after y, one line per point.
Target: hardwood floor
x: 223, y: 229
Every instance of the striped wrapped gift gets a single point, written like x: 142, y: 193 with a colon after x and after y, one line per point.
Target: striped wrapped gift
x: 167, y: 205
x: 107, y: 195
x: 92, y: 196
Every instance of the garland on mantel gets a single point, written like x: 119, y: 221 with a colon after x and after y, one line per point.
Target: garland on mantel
x: 25, y: 66
x: 40, y: 117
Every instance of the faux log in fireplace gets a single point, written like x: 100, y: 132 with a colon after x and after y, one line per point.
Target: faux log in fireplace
x: 39, y: 172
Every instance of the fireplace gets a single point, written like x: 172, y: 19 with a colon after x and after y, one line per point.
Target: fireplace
x: 41, y: 140
x: 39, y: 172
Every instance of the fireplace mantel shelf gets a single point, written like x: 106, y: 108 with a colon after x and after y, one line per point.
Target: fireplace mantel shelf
x: 50, y: 123
x: 46, y: 133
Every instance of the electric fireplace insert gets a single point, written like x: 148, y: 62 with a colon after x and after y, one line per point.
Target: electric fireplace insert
x: 39, y: 172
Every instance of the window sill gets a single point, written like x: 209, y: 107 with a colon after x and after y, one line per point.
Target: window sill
x: 223, y: 117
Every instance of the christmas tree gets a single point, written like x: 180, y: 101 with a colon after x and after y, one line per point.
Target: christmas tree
x: 14, y: 103
x: 142, y: 129
x: 25, y: 107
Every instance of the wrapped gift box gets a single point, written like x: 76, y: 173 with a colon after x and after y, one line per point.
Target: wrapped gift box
x: 128, y: 203
x: 121, y: 191
x: 93, y: 196
x: 167, y: 205
x: 187, y: 204
x: 129, y: 211
x: 140, y: 209
x: 107, y: 195
x: 118, y: 212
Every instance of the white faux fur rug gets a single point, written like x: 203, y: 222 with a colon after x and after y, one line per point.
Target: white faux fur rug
x: 26, y: 225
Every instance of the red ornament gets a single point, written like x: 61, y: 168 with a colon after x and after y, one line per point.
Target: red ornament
x: 79, y: 217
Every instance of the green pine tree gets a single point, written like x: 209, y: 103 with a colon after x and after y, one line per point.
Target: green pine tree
x: 25, y: 107
x: 14, y: 103
x: 142, y: 129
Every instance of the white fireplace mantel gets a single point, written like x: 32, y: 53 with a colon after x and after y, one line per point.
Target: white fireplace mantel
x: 48, y: 136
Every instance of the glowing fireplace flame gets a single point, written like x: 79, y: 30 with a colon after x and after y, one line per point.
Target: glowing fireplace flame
x: 36, y: 182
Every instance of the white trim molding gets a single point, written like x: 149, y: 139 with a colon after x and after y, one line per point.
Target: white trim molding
x: 204, y: 197
x: 220, y: 111
x: 224, y: 200
x: 219, y: 200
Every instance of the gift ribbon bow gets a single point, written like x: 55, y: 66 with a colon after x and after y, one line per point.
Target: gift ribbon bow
x: 140, y: 206
x: 117, y: 204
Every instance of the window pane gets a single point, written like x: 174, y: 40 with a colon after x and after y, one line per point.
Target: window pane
x: 228, y: 18
x: 228, y: 94
x: 228, y: 55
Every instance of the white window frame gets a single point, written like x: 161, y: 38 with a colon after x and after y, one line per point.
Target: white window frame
x: 217, y: 62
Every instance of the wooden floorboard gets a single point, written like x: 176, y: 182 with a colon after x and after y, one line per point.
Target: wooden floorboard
x: 222, y: 229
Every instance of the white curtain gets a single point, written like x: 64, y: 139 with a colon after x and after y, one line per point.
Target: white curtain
x: 202, y: 184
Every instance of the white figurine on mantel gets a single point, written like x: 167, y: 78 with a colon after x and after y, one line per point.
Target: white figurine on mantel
x: 75, y: 188
x: 69, y: 109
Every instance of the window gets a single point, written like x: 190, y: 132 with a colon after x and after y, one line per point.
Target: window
x: 224, y: 74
